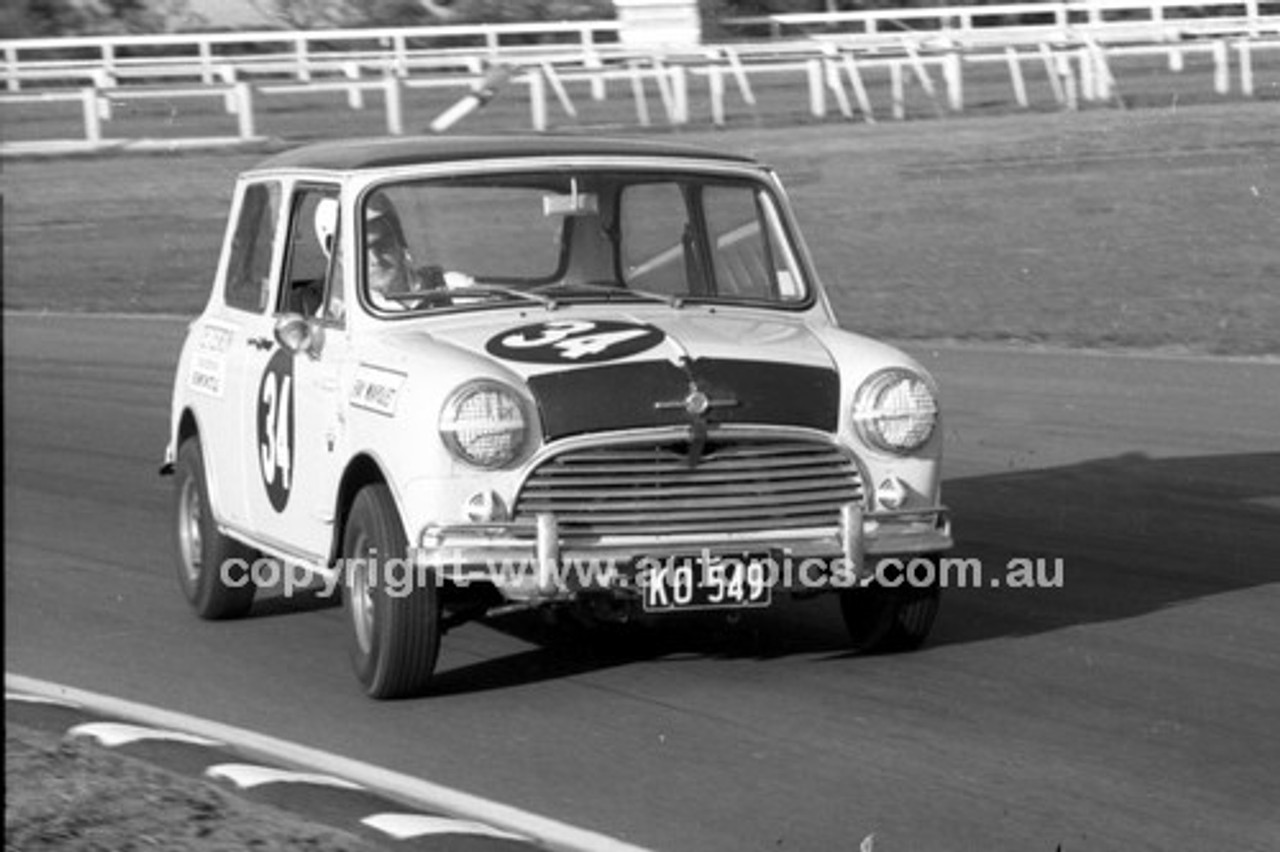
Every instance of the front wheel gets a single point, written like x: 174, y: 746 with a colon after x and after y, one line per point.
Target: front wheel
x: 213, y: 570
x: 885, y: 620
x: 393, y: 612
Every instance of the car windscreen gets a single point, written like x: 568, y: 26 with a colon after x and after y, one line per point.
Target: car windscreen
x: 577, y: 235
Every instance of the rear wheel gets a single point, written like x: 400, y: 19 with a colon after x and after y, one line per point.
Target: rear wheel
x: 213, y: 570
x: 393, y: 613
x: 885, y: 620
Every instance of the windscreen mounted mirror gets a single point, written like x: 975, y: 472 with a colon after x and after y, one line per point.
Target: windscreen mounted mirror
x: 574, y: 204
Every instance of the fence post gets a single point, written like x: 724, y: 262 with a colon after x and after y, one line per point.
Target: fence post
x: 92, y: 121
x: 244, y: 110
x: 537, y: 98
x: 832, y: 74
x: 557, y: 86
x: 102, y: 81
x: 1221, y: 68
x: 637, y: 89
x: 231, y: 100
x: 817, y: 89
x: 1015, y: 75
x: 663, y: 82
x: 953, y: 75
x: 715, y: 81
x: 1246, y: 67
x: 680, y: 87
x: 859, y: 89
x: 1104, y: 80
x: 740, y: 75
x: 592, y: 62
x: 393, y: 88
x: 896, y: 91
x: 109, y: 63
x: 303, y: 72
x: 206, y: 61
x: 1088, y: 76
x: 355, y: 94
x: 1051, y: 67
x: 1070, y: 89
x: 400, y: 46
x: 11, y: 59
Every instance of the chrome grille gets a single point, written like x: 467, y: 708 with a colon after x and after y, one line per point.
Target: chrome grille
x: 653, y: 489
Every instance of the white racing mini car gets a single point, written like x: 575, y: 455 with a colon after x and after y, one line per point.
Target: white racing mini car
x: 451, y: 378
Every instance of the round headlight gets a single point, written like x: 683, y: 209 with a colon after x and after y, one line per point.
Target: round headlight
x: 895, y: 410
x: 485, y: 424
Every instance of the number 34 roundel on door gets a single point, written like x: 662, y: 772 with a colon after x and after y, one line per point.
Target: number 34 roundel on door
x: 275, y: 428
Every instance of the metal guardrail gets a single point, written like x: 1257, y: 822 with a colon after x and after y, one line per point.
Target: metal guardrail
x: 1105, y: 19
x: 225, y: 58
x: 834, y: 66
x: 208, y: 57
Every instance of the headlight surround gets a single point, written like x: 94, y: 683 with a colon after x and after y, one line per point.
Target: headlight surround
x: 895, y: 410
x: 485, y: 424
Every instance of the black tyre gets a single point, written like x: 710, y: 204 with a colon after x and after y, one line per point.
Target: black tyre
x: 207, y: 559
x: 393, y: 613
x: 886, y: 620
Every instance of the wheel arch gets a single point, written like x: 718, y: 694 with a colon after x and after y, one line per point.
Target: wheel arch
x: 188, y: 428
x: 362, y: 470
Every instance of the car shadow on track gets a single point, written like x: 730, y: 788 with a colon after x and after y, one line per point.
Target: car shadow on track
x: 1115, y: 537
x: 1121, y: 536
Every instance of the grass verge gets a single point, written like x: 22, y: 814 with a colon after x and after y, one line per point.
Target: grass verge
x: 74, y: 795
x: 1150, y: 229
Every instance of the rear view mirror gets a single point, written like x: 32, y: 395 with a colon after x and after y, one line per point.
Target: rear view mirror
x: 576, y: 204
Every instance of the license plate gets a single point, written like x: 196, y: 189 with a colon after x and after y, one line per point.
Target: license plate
x: 706, y: 581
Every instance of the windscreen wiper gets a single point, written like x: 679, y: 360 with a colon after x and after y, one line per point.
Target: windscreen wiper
x: 611, y: 292
x: 472, y: 291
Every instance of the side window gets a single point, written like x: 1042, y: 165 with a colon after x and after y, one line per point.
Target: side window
x: 653, y: 221
x: 313, y: 236
x: 248, y: 284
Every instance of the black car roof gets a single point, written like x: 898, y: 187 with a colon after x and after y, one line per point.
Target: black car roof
x: 354, y: 154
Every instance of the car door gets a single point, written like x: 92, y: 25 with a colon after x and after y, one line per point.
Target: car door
x: 295, y: 413
x: 233, y: 341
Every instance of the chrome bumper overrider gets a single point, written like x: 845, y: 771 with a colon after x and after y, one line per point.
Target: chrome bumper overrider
x: 525, y: 559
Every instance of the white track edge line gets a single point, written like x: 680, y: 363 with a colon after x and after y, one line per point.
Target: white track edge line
x: 395, y: 785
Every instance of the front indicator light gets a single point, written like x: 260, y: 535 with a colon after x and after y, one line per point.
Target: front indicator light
x: 891, y: 493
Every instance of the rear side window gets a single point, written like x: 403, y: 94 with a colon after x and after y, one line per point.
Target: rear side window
x: 248, y: 284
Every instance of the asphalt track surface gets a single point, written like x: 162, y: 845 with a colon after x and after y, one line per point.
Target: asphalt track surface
x: 1133, y: 708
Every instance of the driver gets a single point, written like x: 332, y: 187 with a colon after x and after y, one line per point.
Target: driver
x: 389, y: 268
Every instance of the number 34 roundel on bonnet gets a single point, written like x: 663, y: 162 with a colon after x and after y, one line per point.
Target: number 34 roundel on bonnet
x: 454, y: 378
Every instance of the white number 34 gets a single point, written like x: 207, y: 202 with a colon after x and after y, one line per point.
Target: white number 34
x: 573, y: 339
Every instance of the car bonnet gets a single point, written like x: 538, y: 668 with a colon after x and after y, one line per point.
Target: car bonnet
x: 593, y: 370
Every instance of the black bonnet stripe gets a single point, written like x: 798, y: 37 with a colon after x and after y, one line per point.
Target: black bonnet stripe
x: 622, y: 396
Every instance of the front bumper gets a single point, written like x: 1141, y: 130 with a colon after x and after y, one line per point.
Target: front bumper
x: 534, y: 561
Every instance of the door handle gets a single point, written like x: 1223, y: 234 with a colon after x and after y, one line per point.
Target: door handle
x: 262, y: 343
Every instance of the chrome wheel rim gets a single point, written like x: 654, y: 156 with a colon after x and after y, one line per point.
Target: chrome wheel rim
x: 361, y: 597
x: 190, y: 512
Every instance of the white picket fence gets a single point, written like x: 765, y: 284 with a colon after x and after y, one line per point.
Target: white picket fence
x: 1072, y: 45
